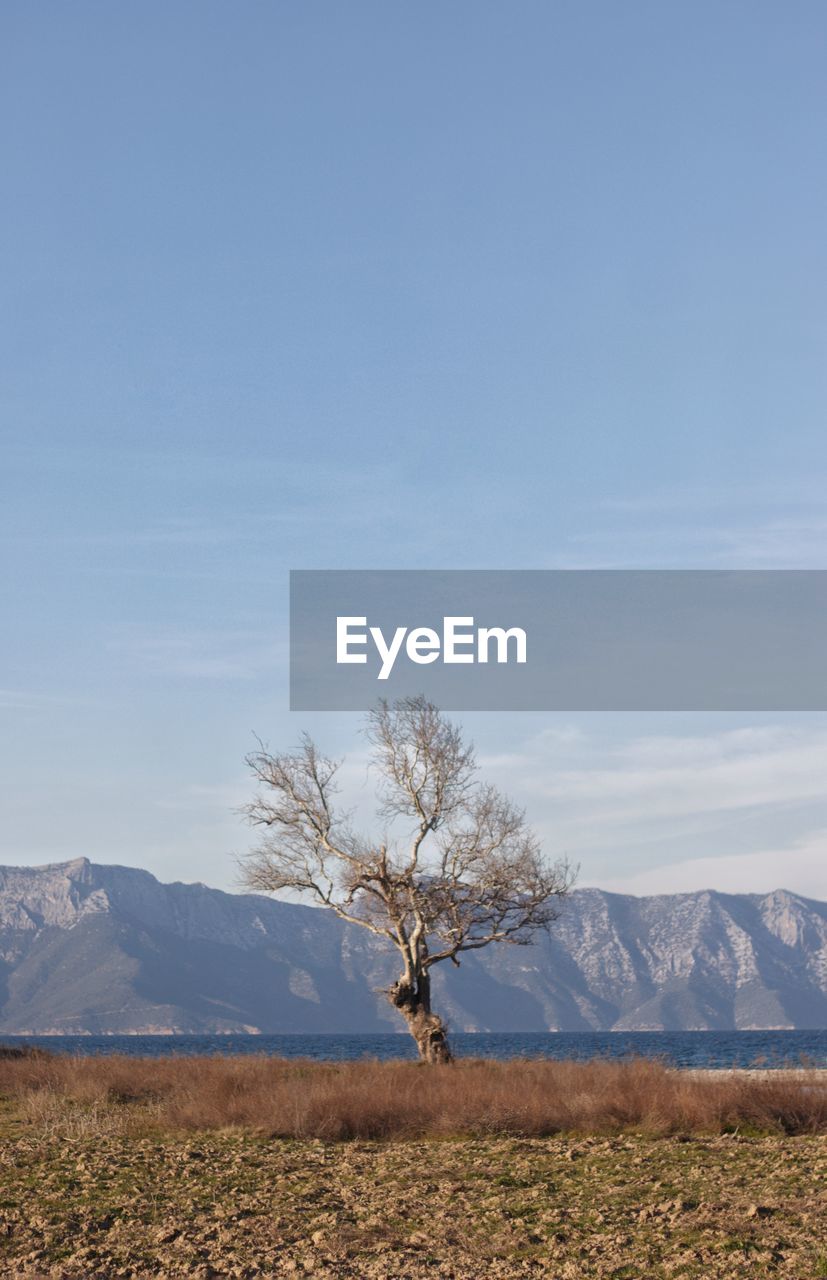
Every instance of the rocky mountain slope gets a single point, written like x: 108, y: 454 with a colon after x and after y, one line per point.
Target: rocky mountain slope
x: 87, y: 948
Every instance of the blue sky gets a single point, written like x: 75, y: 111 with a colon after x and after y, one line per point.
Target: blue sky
x: 383, y: 285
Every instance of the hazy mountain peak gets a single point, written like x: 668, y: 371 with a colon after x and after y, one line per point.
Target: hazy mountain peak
x: 86, y: 947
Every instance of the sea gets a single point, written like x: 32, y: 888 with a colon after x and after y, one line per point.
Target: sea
x: 710, y: 1049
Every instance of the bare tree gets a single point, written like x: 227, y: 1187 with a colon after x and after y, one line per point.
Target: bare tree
x: 455, y: 870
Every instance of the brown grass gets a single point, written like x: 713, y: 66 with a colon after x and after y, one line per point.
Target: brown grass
x: 386, y: 1100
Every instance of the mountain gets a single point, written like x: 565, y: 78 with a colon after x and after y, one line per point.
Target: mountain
x: 87, y: 948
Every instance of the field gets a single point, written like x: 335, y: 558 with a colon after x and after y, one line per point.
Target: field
x: 254, y: 1167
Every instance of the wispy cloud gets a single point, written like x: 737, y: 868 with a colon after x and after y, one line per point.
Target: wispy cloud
x: 652, y: 777
x: 630, y: 811
x: 769, y: 544
x: 749, y: 527
x: 33, y: 700
x: 203, y: 654
x: 773, y: 494
x: 801, y: 866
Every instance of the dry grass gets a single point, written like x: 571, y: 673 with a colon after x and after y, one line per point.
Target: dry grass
x: 190, y: 1168
x: 402, y: 1100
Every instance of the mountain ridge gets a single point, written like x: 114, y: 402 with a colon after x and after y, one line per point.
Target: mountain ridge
x: 94, y: 948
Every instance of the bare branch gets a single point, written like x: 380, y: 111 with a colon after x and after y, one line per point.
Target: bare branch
x: 474, y: 873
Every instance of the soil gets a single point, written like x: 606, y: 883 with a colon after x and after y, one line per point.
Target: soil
x: 235, y: 1204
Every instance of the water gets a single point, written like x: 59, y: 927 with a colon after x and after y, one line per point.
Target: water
x: 677, y: 1048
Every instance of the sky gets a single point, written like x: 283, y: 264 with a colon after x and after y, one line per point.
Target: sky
x: 399, y: 286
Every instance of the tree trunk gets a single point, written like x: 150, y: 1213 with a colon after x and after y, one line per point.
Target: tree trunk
x: 413, y: 1000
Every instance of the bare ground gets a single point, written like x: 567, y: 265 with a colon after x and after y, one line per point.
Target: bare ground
x: 257, y: 1168
x: 92, y: 1204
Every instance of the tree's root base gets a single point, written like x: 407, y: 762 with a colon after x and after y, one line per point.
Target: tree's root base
x: 427, y: 1029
